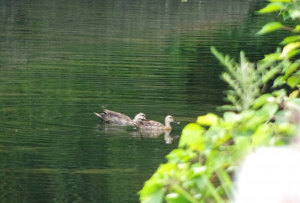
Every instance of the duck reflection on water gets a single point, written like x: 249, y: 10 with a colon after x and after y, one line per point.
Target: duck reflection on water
x: 153, y: 134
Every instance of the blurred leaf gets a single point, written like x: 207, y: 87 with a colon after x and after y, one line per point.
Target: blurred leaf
x: 294, y: 94
x: 280, y: 118
x: 291, y: 69
x: 290, y: 39
x: 278, y: 81
x: 288, y: 48
x: 180, y: 155
x: 261, y: 135
x: 208, y: 120
x: 165, y: 168
x: 185, y: 195
x: 231, y: 117
x: 279, y: 93
x: 152, y: 192
x: 293, y: 53
x: 198, y: 169
x: 294, y: 14
x: 226, y: 182
x: 192, y: 136
x: 285, y: 15
x: 272, y: 57
x: 286, y: 64
x: 217, y: 134
x: 242, y: 144
x: 261, y: 100
x: 247, y: 114
x: 270, y: 74
x: 293, y: 80
x: 227, y: 108
x: 176, y: 198
x: 286, y: 128
x: 297, y: 28
x: 270, y: 27
x: 271, y: 7
x: 270, y: 108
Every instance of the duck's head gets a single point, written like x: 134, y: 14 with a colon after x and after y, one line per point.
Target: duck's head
x: 139, y: 117
x: 170, y: 119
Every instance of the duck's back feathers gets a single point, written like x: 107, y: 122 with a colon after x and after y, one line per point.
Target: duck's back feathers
x: 154, y: 125
x: 149, y: 125
x: 114, y: 117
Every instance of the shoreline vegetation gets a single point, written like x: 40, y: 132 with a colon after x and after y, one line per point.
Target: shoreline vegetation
x: 262, y: 110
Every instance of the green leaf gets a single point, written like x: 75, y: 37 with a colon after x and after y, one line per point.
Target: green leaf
x: 270, y: 108
x: 297, y: 28
x: 186, y: 197
x: 291, y: 69
x: 192, y: 136
x: 272, y: 57
x: 286, y: 64
x: 271, y: 7
x: 270, y: 27
x: 290, y: 39
x: 270, y: 74
x: 247, y: 114
x: 180, y: 155
x: 294, y: 14
x: 287, y: 128
x: 152, y: 192
x: 231, y: 117
x: 208, y: 120
x: 198, y: 169
x: 288, y: 48
x: 294, y: 94
x: 176, y: 198
x: 293, y: 53
x: 164, y: 168
x: 285, y: 15
x: 278, y: 81
x: 279, y: 93
x: 261, y: 135
x: 261, y: 100
x: 293, y: 81
x: 217, y: 134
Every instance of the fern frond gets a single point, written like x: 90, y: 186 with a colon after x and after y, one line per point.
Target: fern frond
x: 245, y: 79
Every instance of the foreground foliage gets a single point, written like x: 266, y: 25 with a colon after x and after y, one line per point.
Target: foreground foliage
x: 201, y: 169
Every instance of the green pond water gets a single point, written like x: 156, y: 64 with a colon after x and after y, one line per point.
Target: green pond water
x: 61, y: 61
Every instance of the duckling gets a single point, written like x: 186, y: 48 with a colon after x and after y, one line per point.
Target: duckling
x: 154, y: 125
x: 118, y: 118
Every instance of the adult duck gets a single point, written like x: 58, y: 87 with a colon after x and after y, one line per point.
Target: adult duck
x: 155, y: 125
x: 118, y: 118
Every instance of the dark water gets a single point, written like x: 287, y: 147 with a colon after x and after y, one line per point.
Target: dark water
x: 60, y: 61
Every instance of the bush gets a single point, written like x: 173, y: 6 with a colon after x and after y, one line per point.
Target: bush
x: 201, y: 169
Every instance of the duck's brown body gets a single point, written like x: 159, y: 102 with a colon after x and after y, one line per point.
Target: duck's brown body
x: 118, y: 118
x: 154, y: 125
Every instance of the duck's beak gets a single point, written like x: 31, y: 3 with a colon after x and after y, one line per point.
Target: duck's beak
x: 175, y: 122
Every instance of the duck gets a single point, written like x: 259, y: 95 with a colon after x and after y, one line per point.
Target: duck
x: 114, y: 117
x: 155, y: 125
